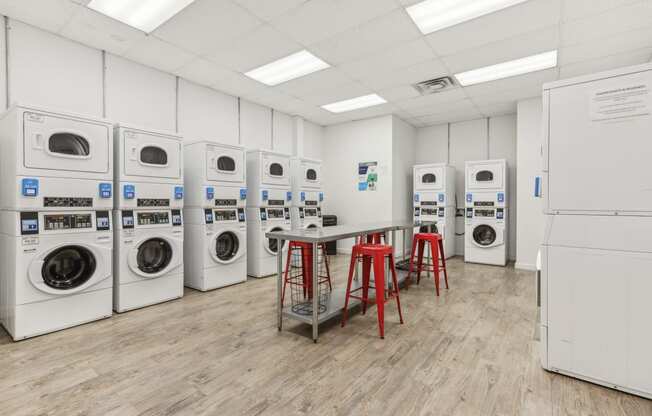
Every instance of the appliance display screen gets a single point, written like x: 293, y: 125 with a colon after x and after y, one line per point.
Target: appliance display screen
x: 275, y: 214
x: 483, y: 204
x: 29, y: 226
x: 68, y: 221
x: 484, y: 213
x: 149, y: 218
x: 226, y: 202
x: 428, y: 211
x: 226, y: 215
x: 311, y: 212
x: 428, y: 203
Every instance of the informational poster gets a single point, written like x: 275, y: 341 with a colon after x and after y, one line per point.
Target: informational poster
x: 367, y: 176
x: 620, y: 103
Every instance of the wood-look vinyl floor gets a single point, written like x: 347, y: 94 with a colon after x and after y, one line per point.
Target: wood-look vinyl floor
x: 472, y: 351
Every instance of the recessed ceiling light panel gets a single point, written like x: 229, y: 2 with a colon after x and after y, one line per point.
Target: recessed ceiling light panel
x: 145, y: 15
x: 293, y: 66
x: 433, y: 15
x: 354, y: 103
x: 508, y: 69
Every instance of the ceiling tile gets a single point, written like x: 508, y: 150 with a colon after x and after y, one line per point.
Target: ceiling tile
x: 159, y: 54
x: 516, y: 20
x: 610, y: 45
x: 259, y: 47
x: 575, y: 9
x: 498, y: 109
x: 622, y: 19
x: 101, y: 32
x: 452, y: 117
x: 238, y: 85
x: 500, y: 97
x: 267, y: 10
x: 376, y: 35
x: 207, y: 25
x: 399, y: 93
x: 375, y: 111
x: 337, y: 93
x: 505, y: 50
x: 440, y: 108
x: 404, y: 55
x: 204, y: 72
x: 317, y: 20
x: 316, y: 82
x: 381, y: 79
x: 606, y: 63
x: 437, y: 99
x: 49, y: 15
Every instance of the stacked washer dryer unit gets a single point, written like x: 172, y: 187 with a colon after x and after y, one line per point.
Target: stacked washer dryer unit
x: 308, y: 194
x: 55, y: 227
x: 486, y: 234
x: 268, y: 208
x: 596, y: 280
x: 216, y: 230
x: 434, y: 201
x: 148, y: 258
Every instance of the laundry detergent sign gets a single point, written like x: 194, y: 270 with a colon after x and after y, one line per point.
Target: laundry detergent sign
x: 620, y: 103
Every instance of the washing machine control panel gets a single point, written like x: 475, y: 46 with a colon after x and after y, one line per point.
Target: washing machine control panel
x: 275, y: 213
x: 226, y: 202
x: 208, y: 216
x: 226, y: 215
x: 484, y: 213
x: 153, y: 218
x: 153, y: 202
x: 241, y: 215
x: 500, y: 214
x: 29, y: 223
x: 127, y: 220
x: 67, y: 202
x: 177, y: 220
x: 57, y: 222
x: 102, y: 221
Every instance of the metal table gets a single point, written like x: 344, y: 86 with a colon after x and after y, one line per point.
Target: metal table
x: 316, y: 236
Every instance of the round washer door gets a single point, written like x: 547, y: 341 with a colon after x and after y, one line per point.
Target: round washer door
x: 154, y: 255
x: 271, y: 245
x: 68, y: 267
x: 484, y: 235
x: 225, y: 247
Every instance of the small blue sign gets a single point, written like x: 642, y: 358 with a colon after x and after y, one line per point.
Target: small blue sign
x: 243, y: 194
x: 289, y: 196
x: 210, y: 193
x: 178, y: 192
x: 303, y: 196
x: 500, y: 215
x: 416, y: 197
x: 501, y: 197
x: 105, y: 190
x: 537, y: 187
x: 321, y: 196
x: 469, y: 197
x: 129, y: 191
x: 30, y: 187
x: 265, y: 195
x: 441, y: 197
x: 362, y: 186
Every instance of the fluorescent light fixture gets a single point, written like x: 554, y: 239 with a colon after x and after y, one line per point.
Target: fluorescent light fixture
x: 354, y: 103
x: 508, y: 69
x: 433, y: 15
x: 291, y: 67
x: 145, y: 15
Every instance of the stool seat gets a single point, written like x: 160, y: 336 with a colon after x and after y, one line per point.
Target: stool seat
x: 373, y: 249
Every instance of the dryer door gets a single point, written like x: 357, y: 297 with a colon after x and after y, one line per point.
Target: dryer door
x: 485, y: 176
x: 70, y: 268
x: 276, y: 170
x: 271, y: 244
x: 61, y: 143
x: 226, y: 247
x: 429, y: 178
x: 225, y: 164
x: 310, y: 174
x: 151, y: 155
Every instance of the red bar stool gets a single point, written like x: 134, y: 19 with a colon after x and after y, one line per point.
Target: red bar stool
x: 375, y: 238
x: 373, y: 254
x: 436, y: 243
x: 304, y: 252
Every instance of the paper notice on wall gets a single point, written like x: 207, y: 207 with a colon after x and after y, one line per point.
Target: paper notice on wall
x: 367, y: 176
x: 620, y: 103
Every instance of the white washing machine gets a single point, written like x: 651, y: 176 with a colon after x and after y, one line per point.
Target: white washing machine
x: 56, y: 270
x: 486, y: 212
x: 261, y: 251
x: 54, y: 161
x: 148, y: 258
x: 269, y: 197
x: 149, y: 223
x: 434, y: 201
x: 308, y: 195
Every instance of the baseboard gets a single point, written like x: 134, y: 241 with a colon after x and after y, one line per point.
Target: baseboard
x: 525, y: 266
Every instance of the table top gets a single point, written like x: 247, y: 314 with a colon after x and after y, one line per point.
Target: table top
x: 339, y: 232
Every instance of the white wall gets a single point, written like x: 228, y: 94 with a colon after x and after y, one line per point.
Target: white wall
x: 313, y: 140
x: 282, y: 132
x: 529, y: 228
x: 345, y: 145
x: 457, y: 143
x: 404, y: 138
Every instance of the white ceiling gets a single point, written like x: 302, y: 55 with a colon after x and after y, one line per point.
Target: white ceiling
x: 372, y: 45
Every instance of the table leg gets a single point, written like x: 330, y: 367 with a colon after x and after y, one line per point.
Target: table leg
x: 404, y: 232
x: 279, y: 283
x: 315, y: 293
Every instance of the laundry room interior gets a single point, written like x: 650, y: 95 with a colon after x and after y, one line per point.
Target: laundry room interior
x: 327, y: 207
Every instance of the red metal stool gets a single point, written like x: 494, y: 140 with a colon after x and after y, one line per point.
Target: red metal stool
x: 304, y: 250
x: 376, y: 254
x: 375, y: 238
x: 436, y: 243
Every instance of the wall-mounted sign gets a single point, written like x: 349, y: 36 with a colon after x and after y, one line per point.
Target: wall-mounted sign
x: 367, y: 176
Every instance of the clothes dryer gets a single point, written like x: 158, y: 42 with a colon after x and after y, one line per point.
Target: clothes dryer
x: 435, y: 202
x: 56, y: 270
x: 268, y: 179
x: 261, y: 251
x: 308, y: 195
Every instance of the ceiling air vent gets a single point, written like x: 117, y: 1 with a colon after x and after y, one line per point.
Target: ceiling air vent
x: 434, y: 85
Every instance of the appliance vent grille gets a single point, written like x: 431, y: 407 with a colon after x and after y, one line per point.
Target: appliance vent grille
x: 435, y: 85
